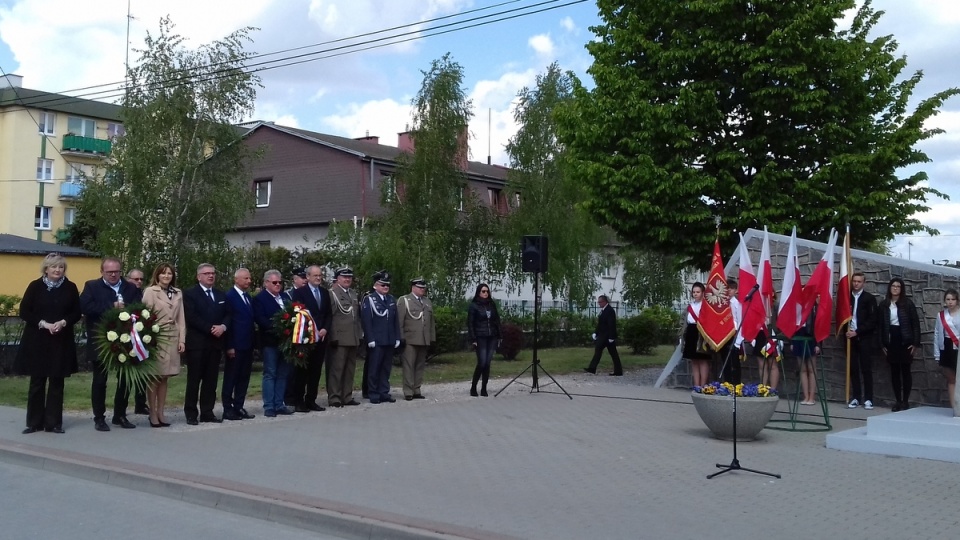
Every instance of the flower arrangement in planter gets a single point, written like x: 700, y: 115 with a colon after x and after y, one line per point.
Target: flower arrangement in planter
x: 297, y: 331
x: 126, y: 340
x: 714, y: 405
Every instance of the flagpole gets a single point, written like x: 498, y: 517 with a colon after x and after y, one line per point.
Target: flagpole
x: 850, y: 273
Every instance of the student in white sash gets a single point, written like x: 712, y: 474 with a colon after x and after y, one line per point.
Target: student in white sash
x: 692, y: 342
x: 945, y: 339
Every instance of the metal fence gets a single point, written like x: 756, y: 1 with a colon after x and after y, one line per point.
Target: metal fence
x: 525, y: 307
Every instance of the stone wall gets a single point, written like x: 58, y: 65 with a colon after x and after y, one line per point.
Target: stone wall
x: 926, y: 285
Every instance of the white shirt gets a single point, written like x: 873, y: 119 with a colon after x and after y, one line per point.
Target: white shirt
x: 696, y: 309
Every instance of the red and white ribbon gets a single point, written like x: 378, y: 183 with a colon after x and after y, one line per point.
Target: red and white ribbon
x: 139, y: 349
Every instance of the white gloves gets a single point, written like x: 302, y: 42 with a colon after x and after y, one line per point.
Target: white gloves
x: 610, y: 341
x: 372, y: 344
x: 396, y: 344
x: 593, y: 337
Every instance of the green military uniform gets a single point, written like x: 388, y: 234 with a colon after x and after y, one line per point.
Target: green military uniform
x: 418, y: 330
x: 346, y: 335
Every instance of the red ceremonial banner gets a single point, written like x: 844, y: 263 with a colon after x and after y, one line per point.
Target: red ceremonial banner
x: 716, y: 319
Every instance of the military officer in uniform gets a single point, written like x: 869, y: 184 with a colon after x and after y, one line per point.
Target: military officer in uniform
x: 418, y: 330
x: 346, y: 335
x: 382, y: 334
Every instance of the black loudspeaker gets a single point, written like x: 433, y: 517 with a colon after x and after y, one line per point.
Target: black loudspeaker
x: 533, y: 254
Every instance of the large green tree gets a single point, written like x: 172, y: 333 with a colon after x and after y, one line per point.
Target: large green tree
x: 760, y: 112
x: 545, y: 198
x: 433, y: 226
x: 178, y: 179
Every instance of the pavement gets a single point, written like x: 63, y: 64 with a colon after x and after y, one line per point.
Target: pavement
x: 620, y: 460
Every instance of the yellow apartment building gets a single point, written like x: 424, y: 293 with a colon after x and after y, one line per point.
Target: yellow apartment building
x: 49, y: 143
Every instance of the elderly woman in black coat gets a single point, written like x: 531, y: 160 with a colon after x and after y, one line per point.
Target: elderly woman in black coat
x: 48, y: 353
x: 900, y: 336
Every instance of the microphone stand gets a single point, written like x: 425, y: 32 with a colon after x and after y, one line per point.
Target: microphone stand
x: 735, y: 463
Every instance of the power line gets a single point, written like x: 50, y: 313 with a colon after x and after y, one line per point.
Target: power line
x: 322, y: 54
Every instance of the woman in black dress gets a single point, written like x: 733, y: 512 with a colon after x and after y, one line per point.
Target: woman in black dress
x: 48, y: 353
x: 900, y: 335
x: 692, y: 342
x: 946, y: 342
x: 483, y: 328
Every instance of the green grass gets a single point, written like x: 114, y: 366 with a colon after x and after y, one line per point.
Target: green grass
x: 445, y: 368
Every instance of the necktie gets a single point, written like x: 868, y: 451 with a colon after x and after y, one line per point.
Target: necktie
x: 210, y: 294
x: 316, y: 294
x: 246, y: 301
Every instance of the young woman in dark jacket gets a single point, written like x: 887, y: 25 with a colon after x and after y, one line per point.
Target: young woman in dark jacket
x: 483, y: 328
x: 900, y: 335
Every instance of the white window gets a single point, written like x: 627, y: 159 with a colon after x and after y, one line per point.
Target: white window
x: 83, y: 127
x: 44, y: 170
x: 460, y: 196
x: 263, y: 188
x: 69, y: 216
x: 389, y: 189
x: 46, y: 122
x: 263, y: 243
x: 115, y: 130
x: 41, y: 218
x: 76, y: 173
x: 516, y: 200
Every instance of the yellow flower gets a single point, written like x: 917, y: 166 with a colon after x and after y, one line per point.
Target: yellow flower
x: 122, y: 358
x: 138, y: 326
x: 124, y: 338
x: 112, y: 336
x: 124, y: 316
x: 147, y: 339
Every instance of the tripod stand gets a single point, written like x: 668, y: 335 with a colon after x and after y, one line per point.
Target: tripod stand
x: 735, y: 463
x: 535, y: 365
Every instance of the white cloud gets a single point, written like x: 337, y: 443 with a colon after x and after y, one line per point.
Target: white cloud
x: 382, y: 118
x: 567, y: 24
x: 542, y: 45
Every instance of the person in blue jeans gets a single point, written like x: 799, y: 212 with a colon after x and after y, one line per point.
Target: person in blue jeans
x: 483, y: 329
x: 276, y: 369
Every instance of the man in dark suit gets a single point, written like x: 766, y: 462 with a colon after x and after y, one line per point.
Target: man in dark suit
x: 864, y: 341
x: 239, y: 361
x: 208, y: 319
x: 306, y: 380
x: 381, y: 331
x: 605, y: 337
x: 135, y: 277
x: 275, y: 367
x: 98, y: 297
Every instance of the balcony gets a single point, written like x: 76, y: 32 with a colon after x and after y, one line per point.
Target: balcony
x: 70, y: 190
x: 85, y: 146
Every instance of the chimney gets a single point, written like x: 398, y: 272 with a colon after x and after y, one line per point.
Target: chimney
x: 369, y: 138
x: 405, y: 141
x: 11, y: 81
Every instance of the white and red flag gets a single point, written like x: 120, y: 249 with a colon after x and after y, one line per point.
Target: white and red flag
x: 754, y: 314
x: 844, y: 308
x: 788, y: 316
x: 765, y: 275
x: 820, y: 285
x: 716, y: 318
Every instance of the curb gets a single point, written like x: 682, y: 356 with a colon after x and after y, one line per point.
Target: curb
x: 304, y: 512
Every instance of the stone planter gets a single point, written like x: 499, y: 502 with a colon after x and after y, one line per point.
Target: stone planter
x: 753, y: 413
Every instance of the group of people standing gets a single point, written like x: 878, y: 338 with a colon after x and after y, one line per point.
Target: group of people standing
x: 890, y: 328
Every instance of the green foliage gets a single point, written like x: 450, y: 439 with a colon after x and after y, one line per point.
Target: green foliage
x: 434, y: 226
x: 654, y: 326
x: 760, y: 113
x: 667, y: 323
x: 178, y: 179
x: 451, y: 323
x: 650, y: 278
x: 511, y: 340
x: 9, y: 305
x: 548, y: 197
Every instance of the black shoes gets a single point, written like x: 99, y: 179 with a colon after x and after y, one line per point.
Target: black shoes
x: 54, y: 429
x: 316, y: 408
x: 615, y: 374
x: 483, y: 392
x: 352, y: 403
x: 231, y: 415
x: 301, y: 409
x: 591, y: 371
x: 192, y: 422
x: 122, y: 422
x: 210, y: 419
x: 158, y: 424
x: 418, y: 396
x: 408, y: 398
x: 473, y: 391
x: 30, y: 430
x: 100, y: 424
x: 245, y: 415
x: 284, y: 411
x: 142, y: 410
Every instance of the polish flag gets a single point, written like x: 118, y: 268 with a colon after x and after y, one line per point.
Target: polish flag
x: 791, y: 296
x: 844, y: 308
x: 765, y: 275
x: 754, y: 314
x: 716, y: 318
x: 820, y: 285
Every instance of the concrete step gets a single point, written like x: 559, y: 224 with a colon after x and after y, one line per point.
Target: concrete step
x: 922, y: 432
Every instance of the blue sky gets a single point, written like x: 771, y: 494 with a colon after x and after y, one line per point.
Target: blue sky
x: 60, y: 45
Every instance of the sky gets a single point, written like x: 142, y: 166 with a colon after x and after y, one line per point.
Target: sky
x: 65, y: 45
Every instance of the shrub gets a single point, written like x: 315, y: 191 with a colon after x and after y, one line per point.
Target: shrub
x: 451, y: 323
x: 511, y: 339
x: 639, y: 333
x: 667, y: 322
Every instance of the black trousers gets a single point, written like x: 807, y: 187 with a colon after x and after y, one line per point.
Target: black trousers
x: 306, y: 380
x: 861, y: 365
x: 98, y: 390
x: 45, y: 405
x: 203, y: 369
x: 614, y: 355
